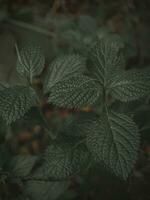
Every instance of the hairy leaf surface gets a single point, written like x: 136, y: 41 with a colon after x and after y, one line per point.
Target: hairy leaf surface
x: 15, y: 102
x: 114, y: 140
x: 130, y: 85
x: 30, y: 61
x: 63, y: 160
x: 105, y: 58
x: 63, y: 68
x: 75, y: 92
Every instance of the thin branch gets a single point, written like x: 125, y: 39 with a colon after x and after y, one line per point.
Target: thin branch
x: 46, y: 126
x: 30, y: 27
x: 37, y: 179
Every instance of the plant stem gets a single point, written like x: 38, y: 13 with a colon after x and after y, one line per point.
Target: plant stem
x: 40, y: 179
x: 46, y: 127
x: 80, y: 142
x: 30, y: 27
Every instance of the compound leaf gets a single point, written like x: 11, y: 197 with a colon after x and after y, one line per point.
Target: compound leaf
x: 114, y: 140
x: 75, y: 92
x: 130, y: 85
x: 63, y: 68
x: 30, y: 61
x: 15, y: 102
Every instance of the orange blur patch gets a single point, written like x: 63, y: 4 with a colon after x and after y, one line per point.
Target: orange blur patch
x: 86, y: 109
x: 24, y: 136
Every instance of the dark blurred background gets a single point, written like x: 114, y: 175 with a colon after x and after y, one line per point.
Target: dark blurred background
x: 63, y: 26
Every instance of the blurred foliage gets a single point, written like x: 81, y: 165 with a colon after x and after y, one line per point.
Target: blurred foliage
x: 65, y: 26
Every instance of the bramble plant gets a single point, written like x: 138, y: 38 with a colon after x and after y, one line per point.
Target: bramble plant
x: 105, y: 136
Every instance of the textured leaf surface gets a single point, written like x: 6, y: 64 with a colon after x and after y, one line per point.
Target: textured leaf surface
x: 114, y: 140
x: 63, y: 68
x: 64, y: 160
x: 21, y: 166
x: 130, y: 85
x: 75, y: 92
x: 15, y: 102
x: 105, y: 58
x: 30, y: 61
x: 40, y: 190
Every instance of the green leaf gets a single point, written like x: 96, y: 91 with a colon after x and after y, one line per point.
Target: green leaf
x: 21, y: 166
x: 114, y: 140
x: 75, y: 92
x: 45, y: 190
x: 130, y: 85
x: 63, y: 160
x: 15, y: 102
x: 30, y: 61
x: 105, y: 58
x: 63, y: 68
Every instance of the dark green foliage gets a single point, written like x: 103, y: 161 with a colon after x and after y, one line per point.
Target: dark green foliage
x: 15, y: 102
x: 21, y: 166
x: 30, y: 62
x: 115, y: 141
x: 75, y: 92
x: 63, y: 160
x: 106, y: 59
x: 130, y: 85
x: 62, y: 68
x: 109, y: 137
